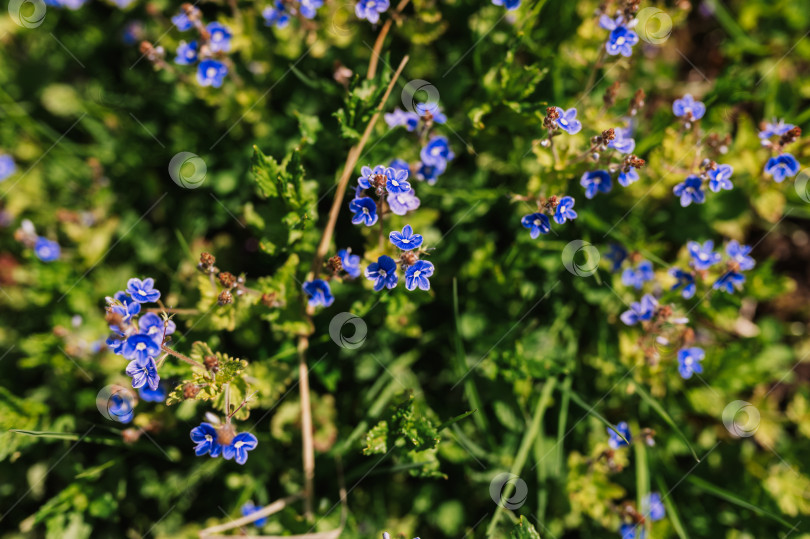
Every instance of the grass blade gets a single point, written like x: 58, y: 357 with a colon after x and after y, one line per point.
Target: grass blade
x: 666, y: 417
x: 590, y: 409
x: 705, y: 486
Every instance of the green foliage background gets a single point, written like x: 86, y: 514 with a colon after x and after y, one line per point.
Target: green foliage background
x: 505, y: 330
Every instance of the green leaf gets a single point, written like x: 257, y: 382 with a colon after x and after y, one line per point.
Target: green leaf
x: 524, y: 530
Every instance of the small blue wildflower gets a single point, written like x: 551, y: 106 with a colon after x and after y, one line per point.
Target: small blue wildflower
x: 688, y: 108
x: 417, y: 275
x: 632, y: 531
x: 239, y: 447
x: 774, y: 129
x: 351, y: 263
x: 276, y: 15
x: 211, y: 73
x: 402, y: 203
x: 205, y: 436
x: 781, y: 167
x: 368, y: 176
x: 703, y: 256
x: 370, y: 9
x: 365, y: 211
x: 568, y: 121
x: 126, y: 310
x: 565, y: 210
x: 720, y: 178
x: 739, y: 254
x: 685, y: 280
x: 132, y: 32
x: 400, y: 117
x: 436, y: 114
x: 248, y: 509
x: 152, y: 325
x: 153, y: 395
x: 46, y: 250
x: 510, y: 5
x: 637, y: 277
x: 653, y: 507
x: 399, y: 164
x: 641, y: 311
x: 623, y: 141
x: 319, y: 293
x: 689, y: 361
x: 729, y: 281
x: 397, y: 180
x: 626, y: 178
x: 182, y: 22
x: 436, y: 151
x: 143, y: 372
x: 7, y: 166
x: 120, y: 406
x: 614, y: 440
x: 621, y: 41
x: 140, y: 347
x: 383, y: 272
x: 143, y: 291
x: 596, y: 181
x: 430, y: 173
x: 405, y: 240
x: 537, y: 223
x: 186, y: 53
x: 220, y: 37
x: 309, y: 8
x: 690, y: 190
x: 70, y: 4
x: 617, y: 255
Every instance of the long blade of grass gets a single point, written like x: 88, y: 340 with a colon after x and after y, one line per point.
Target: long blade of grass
x: 705, y: 486
x: 666, y: 417
x: 672, y: 512
x: 590, y: 409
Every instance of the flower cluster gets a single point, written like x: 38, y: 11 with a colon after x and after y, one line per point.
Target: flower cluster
x: 561, y: 210
x: 280, y: 13
x: 718, y: 178
x: 622, y: 37
x: 612, y: 143
x: 370, y: 9
x: 208, y: 52
x: 703, y: 258
x: 223, y: 440
x: 775, y: 136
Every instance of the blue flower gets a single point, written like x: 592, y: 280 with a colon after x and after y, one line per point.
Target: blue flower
x: 46, y: 250
x: 368, y: 176
x: 205, y: 436
x: 773, y: 129
x: 615, y: 440
x: 594, y: 181
x: 383, y: 272
x: 402, y: 203
x: 143, y: 372
x: 568, y: 121
x: 143, y: 291
x: 689, y: 361
x: 617, y: 255
x: 637, y: 277
x: 685, y: 280
x: 437, y: 116
x: 690, y: 190
x: 621, y: 41
x: 319, y: 293
x: 632, y: 531
x: 120, y: 406
x: 370, y: 9
x: 729, y: 281
x: 622, y: 143
x: 186, y: 53
x: 431, y: 172
x: 277, y: 15
x: 626, y: 178
x: 739, y: 254
x: 437, y: 151
x: 537, y: 223
x: 781, y: 167
x: 152, y: 325
x: 510, y: 5
x: 351, y: 263
x: 153, y: 395
x: 653, y: 507
x: 703, y: 256
x: 7, y: 166
x: 565, y: 211
x: 399, y: 164
x: 182, y: 22
x: 126, y: 310
x: 365, y: 211
x: 721, y: 178
x: 417, y: 275
x: 220, y: 37
x: 239, y: 447
x: 140, y: 347
x: 688, y: 108
x: 640, y: 312
x: 400, y: 117
x: 309, y: 8
x: 397, y: 180
x: 211, y: 73
x: 248, y: 509
x: 405, y: 240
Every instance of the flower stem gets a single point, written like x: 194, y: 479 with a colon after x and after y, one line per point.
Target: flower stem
x: 378, y: 44
x: 182, y: 357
